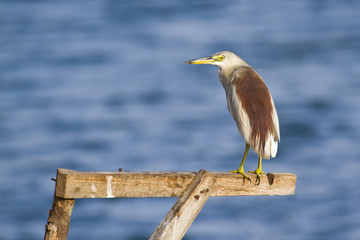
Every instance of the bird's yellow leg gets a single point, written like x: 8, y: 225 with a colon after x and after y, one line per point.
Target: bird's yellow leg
x: 241, y: 167
x: 258, y: 171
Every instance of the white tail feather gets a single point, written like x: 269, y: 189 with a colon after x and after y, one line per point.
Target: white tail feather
x: 271, y: 147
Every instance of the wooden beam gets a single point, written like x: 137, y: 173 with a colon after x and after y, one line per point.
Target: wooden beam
x: 73, y: 184
x: 57, y: 227
x: 186, y: 208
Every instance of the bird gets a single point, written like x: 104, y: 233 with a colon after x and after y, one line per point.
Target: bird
x: 251, y: 105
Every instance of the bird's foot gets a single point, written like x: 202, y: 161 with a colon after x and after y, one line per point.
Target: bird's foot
x: 258, y: 171
x: 241, y: 171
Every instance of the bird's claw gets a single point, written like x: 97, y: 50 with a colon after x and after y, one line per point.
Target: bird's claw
x: 242, y: 172
x: 257, y: 172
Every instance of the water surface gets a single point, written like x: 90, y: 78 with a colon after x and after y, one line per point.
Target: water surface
x: 98, y: 85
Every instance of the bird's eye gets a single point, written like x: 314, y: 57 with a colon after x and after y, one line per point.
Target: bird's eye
x: 221, y: 58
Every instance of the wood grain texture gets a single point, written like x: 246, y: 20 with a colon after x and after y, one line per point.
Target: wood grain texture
x: 58, y: 224
x: 72, y: 184
x: 187, y: 207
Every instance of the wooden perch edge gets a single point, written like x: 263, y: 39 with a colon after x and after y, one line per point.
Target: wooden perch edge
x: 72, y: 184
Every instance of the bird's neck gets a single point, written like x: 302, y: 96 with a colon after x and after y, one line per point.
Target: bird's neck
x: 225, y: 74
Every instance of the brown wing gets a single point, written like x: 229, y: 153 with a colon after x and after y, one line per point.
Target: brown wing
x: 256, y: 101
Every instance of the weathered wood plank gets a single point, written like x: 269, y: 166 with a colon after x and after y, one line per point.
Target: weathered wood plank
x: 72, y: 184
x: 57, y: 227
x: 186, y: 208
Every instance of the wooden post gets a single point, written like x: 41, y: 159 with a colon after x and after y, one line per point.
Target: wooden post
x: 193, y: 189
x: 58, y: 224
x: 186, y: 208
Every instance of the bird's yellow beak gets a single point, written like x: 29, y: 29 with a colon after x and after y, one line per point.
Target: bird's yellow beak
x: 207, y: 60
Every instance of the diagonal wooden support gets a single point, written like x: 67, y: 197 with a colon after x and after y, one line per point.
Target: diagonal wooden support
x: 186, y: 208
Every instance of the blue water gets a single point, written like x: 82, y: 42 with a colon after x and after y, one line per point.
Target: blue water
x: 98, y: 85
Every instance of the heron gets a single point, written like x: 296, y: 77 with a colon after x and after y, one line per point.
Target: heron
x: 251, y: 105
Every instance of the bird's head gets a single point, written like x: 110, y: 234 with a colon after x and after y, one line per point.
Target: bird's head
x: 223, y: 59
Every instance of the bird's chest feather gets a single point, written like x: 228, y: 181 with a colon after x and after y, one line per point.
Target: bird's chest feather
x: 234, y: 105
x: 225, y: 78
